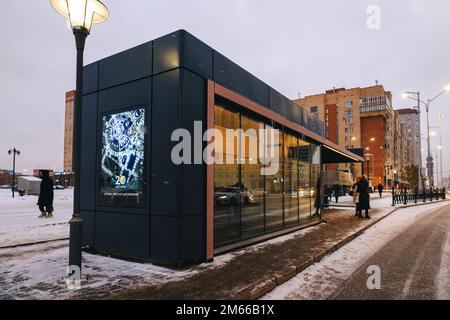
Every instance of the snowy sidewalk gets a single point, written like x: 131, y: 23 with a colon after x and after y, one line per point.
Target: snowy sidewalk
x: 19, y: 222
x: 36, y: 272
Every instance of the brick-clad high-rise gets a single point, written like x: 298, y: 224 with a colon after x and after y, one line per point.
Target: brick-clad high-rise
x: 68, y: 131
x: 360, y: 118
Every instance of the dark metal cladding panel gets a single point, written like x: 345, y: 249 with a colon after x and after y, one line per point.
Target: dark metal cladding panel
x: 126, y: 66
x: 193, y: 176
x: 285, y: 107
x: 126, y: 235
x: 88, y: 152
x: 90, y: 78
x: 192, y: 240
x: 197, y: 56
x: 166, y: 178
x: 88, y: 228
x: 166, y: 52
x: 235, y: 78
x: 128, y: 95
x: 165, y: 238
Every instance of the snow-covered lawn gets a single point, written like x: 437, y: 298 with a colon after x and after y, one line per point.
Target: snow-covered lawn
x: 19, y: 222
x: 321, y: 280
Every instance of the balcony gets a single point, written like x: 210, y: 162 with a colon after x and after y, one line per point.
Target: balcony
x: 374, y: 106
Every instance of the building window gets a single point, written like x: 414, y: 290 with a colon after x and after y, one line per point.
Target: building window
x: 248, y: 203
x: 348, y: 104
x: 291, y: 186
x: 252, y: 182
x: 226, y: 182
x: 348, y: 121
x: 314, y: 109
x: 304, y: 180
x: 349, y: 130
x: 349, y: 113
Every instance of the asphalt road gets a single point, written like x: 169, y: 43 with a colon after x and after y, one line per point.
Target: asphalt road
x: 413, y: 265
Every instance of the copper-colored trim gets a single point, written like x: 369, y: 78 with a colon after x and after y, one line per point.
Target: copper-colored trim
x: 210, y: 179
x: 254, y: 107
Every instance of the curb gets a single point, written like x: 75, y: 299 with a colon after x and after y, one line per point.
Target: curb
x: 27, y: 244
x: 268, y: 283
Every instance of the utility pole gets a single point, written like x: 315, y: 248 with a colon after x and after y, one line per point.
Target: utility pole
x: 14, y: 152
x: 440, y: 149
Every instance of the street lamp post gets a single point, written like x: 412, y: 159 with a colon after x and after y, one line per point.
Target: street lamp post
x: 368, y: 155
x: 14, y: 152
x: 81, y: 14
x: 430, y: 164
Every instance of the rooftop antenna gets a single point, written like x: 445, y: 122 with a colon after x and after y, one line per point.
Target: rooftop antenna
x: 299, y: 95
x: 376, y: 82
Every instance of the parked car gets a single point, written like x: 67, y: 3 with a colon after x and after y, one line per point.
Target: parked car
x: 59, y: 187
x: 231, y: 196
x: 5, y: 186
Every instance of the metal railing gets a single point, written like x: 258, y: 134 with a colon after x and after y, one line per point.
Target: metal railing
x: 405, y: 196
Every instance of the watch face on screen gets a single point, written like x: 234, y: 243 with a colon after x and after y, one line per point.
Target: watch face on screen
x: 122, y: 162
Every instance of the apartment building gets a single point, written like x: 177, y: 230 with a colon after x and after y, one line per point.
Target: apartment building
x: 68, y: 131
x: 410, y: 119
x: 360, y: 118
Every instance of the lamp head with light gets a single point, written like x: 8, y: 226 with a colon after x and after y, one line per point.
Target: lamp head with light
x: 81, y: 14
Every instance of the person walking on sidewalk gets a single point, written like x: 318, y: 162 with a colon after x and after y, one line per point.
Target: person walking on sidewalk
x: 380, y: 189
x: 364, y: 197
x: 45, y: 201
x: 355, y: 195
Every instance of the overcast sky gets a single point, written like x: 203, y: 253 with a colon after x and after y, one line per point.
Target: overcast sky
x: 296, y: 46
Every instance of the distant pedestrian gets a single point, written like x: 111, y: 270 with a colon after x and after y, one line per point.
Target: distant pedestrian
x: 329, y: 192
x: 380, y: 189
x: 337, y: 190
x: 45, y: 201
x: 364, y: 197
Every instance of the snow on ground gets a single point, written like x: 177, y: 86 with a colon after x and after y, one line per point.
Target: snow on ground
x: 37, y: 271
x: 19, y: 222
x: 321, y: 280
x: 443, y: 279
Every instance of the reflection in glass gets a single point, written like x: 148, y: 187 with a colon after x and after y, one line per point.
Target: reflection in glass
x: 227, y: 195
x: 260, y: 191
x: 304, y: 180
x: 252, y: 182
x: 274, y: 183
x: 316, y: 185
x: 291, y: 199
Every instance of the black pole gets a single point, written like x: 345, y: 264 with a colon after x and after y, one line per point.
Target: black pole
x: 14, y: 171
x: 393, y: 196
x: 76, y: 222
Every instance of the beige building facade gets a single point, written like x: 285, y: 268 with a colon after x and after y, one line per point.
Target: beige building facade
x: 68, y: 130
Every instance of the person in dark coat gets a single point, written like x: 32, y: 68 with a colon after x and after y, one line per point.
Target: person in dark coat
x: 364, y: 197
x: 45, y: 201
x: 329, y: 192
x: 336, y: 191
x: 380, y: 189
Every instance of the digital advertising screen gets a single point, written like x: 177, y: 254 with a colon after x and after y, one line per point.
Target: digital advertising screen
x: 122, y: 157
